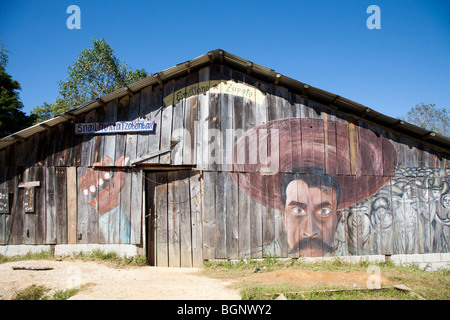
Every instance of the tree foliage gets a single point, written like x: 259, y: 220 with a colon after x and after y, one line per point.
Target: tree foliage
x: 12, y: 118
x: 429, y: 117
x: 96, y: 72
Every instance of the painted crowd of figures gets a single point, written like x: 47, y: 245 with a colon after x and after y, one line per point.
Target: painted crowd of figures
x: 409, y: 215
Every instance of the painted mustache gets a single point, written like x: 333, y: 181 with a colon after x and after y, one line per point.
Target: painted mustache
x: 313, y: 242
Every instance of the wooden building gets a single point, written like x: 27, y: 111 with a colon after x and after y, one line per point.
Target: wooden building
x: 221, y: 158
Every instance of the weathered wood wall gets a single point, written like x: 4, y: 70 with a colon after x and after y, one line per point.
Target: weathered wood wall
x: 202, y: 131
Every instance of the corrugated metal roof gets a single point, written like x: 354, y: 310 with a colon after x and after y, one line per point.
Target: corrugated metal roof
x: 220, y: 56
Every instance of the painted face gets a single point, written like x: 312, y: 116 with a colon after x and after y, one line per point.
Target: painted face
x: 310, y: 218
x: 436, y: 194
x: 446, y: 201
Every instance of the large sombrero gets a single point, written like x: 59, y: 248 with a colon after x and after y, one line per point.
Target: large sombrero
x: 360, y: 160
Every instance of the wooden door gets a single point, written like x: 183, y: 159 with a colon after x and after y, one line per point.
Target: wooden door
x: 174, y: 219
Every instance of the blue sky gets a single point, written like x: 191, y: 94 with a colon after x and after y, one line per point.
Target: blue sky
x: 323, y: 43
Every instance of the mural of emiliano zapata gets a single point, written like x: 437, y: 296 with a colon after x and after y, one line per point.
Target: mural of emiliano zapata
x: 323, y: 168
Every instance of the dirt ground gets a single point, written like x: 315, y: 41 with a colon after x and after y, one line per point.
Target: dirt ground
x: 100, y: 281
x: 307, y: 278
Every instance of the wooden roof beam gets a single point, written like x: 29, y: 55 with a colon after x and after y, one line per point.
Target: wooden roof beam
x: 277, y: 79
x: 366, y: 112
x: 305, y: 90
x: 158, y: 78
x: 249, y: 67
x: 69, y: 115
x: 45, y: 126
x: 129, y: 92
x: 101, y: 102
x: 429, y: 135
x: 188, y: 67
x: 399, y: 123
x: 18, y: 138
x: 211, y: 57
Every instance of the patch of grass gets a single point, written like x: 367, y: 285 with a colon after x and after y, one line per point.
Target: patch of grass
x: 32, y: 292
x: 96, y: 254
x: 111, y: 256
x: 43, y: 255
x: 292, y: 292
x: 433, y: 285
x: 64, y: 294
x: 35, y: 292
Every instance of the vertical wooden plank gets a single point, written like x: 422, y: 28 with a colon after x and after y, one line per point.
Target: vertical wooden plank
x: 191, y: 116
x: 329, y: 134
x: 109, y: 140
x: 166, y: 124
x: 244, y: 224
x: 131, y: 139
x: 177, y: 135
x: 144, y: 113
x: 227, y: 126
x: 155, y: 115
x: 21, y: 151
x: 88, y: 217
x: 342, y: 142
x: 75, y: 159
x: 352, y: 222
x: 136, y: 206
x: 382, y: 221
x: 232, y: 217
x: 294, y: 230
x: 122, y: 115
x: 42, y: 148
x: 196, y: 219
x: 256, y: 214
x: 296, y: 144
x: 268, y: 225
x: 14, y: 198
x: 120, y: 222
x: 185, y: 220
x: 215, y: 138
x: 17, y: 215
x: 209, y: 214
x: 161, y: 207
x: 98, y: 140
x: 150, y: 202
x: 387, y: 161
x: 31, y: 150
x: 173, y: 219
x: 87, y: 142
x: 61, y: 205
x: 4, y: 184
x: 71, y: 205
x: 29, y: 235
x: 40, y: 205
x: 202, y: 139
x: 221, y: 217
x: 252, y: 110
x: 68, y: 130
x: 107, y: 225
x: 51, y: 214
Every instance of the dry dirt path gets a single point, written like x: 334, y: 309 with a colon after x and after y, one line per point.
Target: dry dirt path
x: 102, y: 281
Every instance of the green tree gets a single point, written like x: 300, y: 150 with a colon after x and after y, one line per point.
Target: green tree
x: 96, y: 72
x: 12, y: 118
x: 429, y: 117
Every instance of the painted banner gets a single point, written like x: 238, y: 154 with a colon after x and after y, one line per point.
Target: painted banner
x: 216, y: 86
x: 114, y: 127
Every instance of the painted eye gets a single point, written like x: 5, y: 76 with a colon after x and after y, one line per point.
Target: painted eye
x: 323, y: 212
x: 298, y: 211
